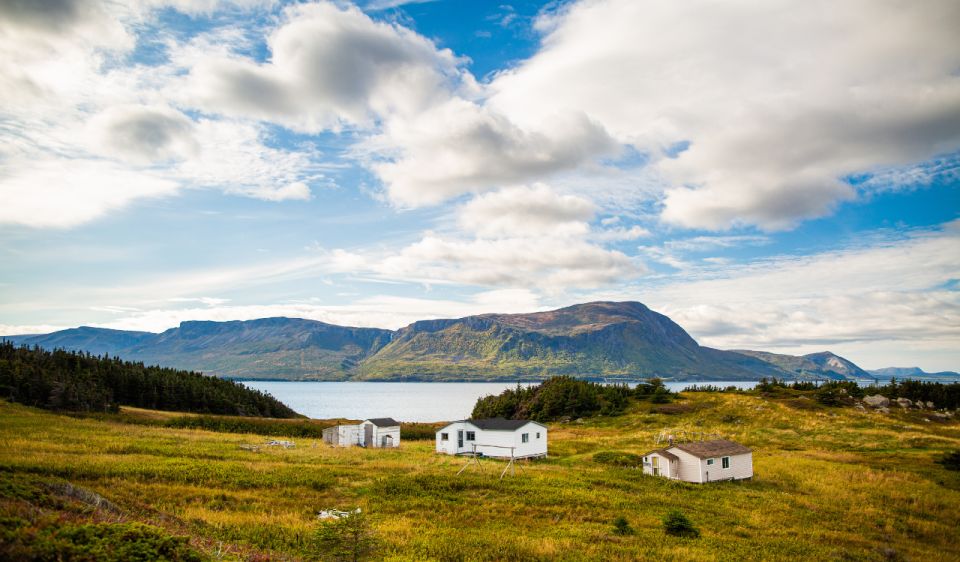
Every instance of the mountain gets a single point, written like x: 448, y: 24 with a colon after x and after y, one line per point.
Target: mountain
x: 602, y: 340
x: 915, y: 373
x: 815, y: 365
x: 282, y: 348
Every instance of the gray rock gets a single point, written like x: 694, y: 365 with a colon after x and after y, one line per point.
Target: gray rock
x: 876, y: 401
x: 883, y: 410
x: 929, y: 404
x: 904, y: 402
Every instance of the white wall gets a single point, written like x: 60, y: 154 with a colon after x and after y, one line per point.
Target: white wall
x: 667, y: 468
x: 689, y: 467
x: 535, y: 447
x: 741, y: 466
x: 380, y: 432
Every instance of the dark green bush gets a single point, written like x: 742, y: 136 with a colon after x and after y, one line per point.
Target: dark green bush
x: 951, y: 461
x: 99, y: 542
x: 677, y: 524
x: 621, y: 527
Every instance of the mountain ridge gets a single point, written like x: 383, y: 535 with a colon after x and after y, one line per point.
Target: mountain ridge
x: 601, y: 340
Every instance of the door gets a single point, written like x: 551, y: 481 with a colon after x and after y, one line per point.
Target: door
x: 459, y: 439
x: 655, y: 461
x: 368, y: 435
x: 386, y: 441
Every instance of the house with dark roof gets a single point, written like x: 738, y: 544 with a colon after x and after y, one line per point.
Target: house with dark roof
x: 493, y: 437
x: 373, y: 432
x: 701, y: 461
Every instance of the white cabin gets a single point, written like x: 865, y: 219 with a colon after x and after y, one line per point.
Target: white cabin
x: 701, y: 461
x: 494, y: 437
x: 374, y: 432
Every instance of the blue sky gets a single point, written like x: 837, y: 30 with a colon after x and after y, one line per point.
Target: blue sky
x: 780, y: 177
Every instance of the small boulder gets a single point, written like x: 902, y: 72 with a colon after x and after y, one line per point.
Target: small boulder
x: 883, y: 410
x: 929, y: 404
x: 904, y: 402
x: 876, y: 401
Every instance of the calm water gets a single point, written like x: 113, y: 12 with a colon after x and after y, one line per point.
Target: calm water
x: 404, y: 401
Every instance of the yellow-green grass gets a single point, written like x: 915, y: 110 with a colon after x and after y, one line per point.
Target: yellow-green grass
x: 829, y: 484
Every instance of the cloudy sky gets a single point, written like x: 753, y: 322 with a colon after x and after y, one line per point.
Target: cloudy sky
x: 772, y: 175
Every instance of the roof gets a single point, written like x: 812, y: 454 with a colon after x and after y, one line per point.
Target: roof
x: 496, y: 424
x: 664, y: 453
x: 710, y: 449
x: 383, y: 422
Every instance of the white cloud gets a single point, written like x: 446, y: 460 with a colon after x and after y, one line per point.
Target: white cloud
x: 889, y: 289
x: 778, y: 101
x: 526, y: 211
x: 144, y: 135
x: 61, y: 194
x: 329, y: 67
x: 460, y: 146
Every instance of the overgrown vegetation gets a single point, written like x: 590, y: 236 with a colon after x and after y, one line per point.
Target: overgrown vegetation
x: 829, y: 484
x: 555, y: 398
x: 348, y: 539
x: 47, y: 540
x: 74, y: 381
x: 840, y: 393
x: 677, y: 524
x: 951, y: 460
x: 618, y: 458
x: 621, y: 527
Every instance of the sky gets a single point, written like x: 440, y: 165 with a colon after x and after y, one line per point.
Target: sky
x: 772, y: 175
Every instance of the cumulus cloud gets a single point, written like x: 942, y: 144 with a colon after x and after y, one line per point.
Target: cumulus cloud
x: 461, y: 146
x: 775, y: 102
x: 145, y: 135
x: 520, y: 211
x: 330, y: 66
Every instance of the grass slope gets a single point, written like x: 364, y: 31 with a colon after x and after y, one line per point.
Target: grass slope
x: 830, y: 484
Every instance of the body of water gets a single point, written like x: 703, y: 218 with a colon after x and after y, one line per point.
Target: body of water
x: 403, y: 401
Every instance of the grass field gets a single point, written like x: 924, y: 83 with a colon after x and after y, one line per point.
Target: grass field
x: 830, y: 484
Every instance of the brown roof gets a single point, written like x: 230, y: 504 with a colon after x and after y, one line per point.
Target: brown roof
x: 664, y: 453
x: 710, y: 449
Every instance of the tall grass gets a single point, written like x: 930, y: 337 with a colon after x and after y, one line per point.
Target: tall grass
x: 830, y: 483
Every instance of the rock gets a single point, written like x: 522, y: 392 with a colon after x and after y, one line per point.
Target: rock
x: 929, y: 404
x: 940, y: 416
x: 876, y: 401
x: 860, y: 407
x: 883, y: 410
x: 904, y: 402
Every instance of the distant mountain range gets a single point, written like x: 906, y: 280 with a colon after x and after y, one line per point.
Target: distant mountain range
x: 601, y: 340
x: 912, y: 373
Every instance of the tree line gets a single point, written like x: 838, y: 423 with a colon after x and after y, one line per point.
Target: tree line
x: 567, y: 397
x: 78, y: 381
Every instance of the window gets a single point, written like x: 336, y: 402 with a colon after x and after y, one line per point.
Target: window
x: 444, y: 436
x: 471, y: 436
x: 538, y: 435
x: 524, y: 437
x: 710, y: 461
x: 726, y: 462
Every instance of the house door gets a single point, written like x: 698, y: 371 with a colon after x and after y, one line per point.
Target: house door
x: 386, y: 441
x: 655, y: 461
x: 368, y: 435
x: 460, y: 439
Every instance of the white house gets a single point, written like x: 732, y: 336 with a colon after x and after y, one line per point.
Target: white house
x: 494, y: 437
x: 375, y: 432
x: 701, y: 461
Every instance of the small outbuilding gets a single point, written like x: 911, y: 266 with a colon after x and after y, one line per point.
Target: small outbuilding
x: 374, y: 432
x: 494, y: 437
x: 701, y: 461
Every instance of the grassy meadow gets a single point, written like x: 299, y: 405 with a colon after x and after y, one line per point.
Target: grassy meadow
x: 830, y: 484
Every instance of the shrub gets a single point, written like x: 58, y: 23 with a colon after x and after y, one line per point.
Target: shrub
x: 622, y: 527
x: 677, y: 524
x: 951, y: 461
x: 347, y: 538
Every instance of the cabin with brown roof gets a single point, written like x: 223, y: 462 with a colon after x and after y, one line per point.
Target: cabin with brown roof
x: 701, y: 461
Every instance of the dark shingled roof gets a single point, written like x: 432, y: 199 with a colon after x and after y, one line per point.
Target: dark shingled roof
x: 383, y: 422
x: 499, y: 424
x: 664, y: 453
x: 710, y: 449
